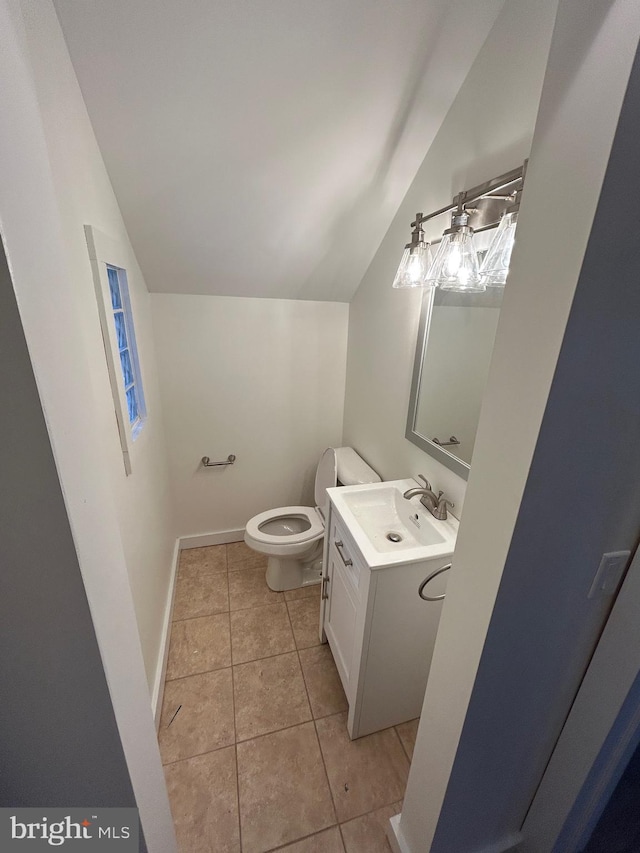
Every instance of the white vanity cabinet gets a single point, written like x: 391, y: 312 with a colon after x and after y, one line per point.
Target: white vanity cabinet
x: 345, y: 570
x: 380, y: 631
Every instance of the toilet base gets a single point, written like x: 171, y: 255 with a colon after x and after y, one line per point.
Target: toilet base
x: 283, y: 574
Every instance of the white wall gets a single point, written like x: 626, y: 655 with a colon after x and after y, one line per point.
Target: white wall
x: 43, y: 277
x: 84, y: 195
x: 488, y: 130
x: 555, y: 481
x: 261, y: 378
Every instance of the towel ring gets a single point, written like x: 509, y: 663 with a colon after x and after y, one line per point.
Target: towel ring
x: 430, y: 578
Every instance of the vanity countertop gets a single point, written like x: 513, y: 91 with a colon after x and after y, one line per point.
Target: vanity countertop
x: 377, y: 513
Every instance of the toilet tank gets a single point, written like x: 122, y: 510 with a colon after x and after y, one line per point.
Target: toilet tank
x: 341, y: 466
x: 352, y: 470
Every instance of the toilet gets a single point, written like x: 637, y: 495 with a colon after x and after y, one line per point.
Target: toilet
x: 291, y: 536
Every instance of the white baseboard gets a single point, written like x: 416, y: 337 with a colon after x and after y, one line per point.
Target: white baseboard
x: 399, y: 845
x: 184, y: 542
x: 203, y: 539
x: 163, y: 657
x: 396, y: 841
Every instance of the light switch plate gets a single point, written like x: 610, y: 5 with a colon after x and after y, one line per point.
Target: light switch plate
x: 610, y: 570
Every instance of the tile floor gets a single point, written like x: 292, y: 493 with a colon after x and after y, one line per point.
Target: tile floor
x: 257, y: 758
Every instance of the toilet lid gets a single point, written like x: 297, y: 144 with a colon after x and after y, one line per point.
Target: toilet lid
x: 326, y: 476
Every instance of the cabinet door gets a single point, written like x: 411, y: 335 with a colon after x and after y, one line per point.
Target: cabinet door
x: 400, y: 646
x: 340, y: 621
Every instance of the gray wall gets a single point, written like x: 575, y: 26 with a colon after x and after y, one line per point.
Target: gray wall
x: 59, y: 745
x: 582, y: 498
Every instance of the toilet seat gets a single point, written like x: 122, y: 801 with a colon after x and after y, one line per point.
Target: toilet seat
x: 271, y: 543
x: 291, y: 536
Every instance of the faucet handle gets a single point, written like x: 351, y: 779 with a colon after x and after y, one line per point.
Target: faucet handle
x: 440, y: 511
x: 444, y: 501
x: 427, y: 484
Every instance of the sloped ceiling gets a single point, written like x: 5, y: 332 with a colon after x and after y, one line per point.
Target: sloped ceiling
x: 262, y: 147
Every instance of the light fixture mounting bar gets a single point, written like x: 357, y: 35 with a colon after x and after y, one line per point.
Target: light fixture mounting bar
x: 487, y: 188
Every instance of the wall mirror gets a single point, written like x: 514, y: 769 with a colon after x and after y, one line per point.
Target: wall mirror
x: 453, y: 352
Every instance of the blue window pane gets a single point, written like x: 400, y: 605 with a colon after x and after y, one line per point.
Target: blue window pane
x: 132, y: 405
x: 114, y: 287
x: 126, y: 344
x: 127, y: 369
x: 121, y: 330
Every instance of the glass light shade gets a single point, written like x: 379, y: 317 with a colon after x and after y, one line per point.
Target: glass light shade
x: 455, y: 266
x: 415, y: 263
x: 495, y: 266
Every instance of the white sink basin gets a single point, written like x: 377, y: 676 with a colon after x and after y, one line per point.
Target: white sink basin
x: 390, y: 529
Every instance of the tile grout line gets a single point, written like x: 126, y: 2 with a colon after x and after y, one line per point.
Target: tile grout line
x: 215, y: 612
x: 297, y: 725
x: 251, y: 660
x: 193, y: 674
x: 232, y: 610
x: 312, y: 720
x: 255, y: 737
x: 231, y: 667
x: 242, y: 663
x: 248, y: 740
x: 409, y: 757
x: 303, y: 838
x: 266, y: 656
x: 199, y: 754
x: 254, y: 606
x: 235, y: 729
x: 304, y: 681
x: 202, y: 616
x: 382, y: 805
x: 235, y: 609
x: 287, y: 728
x: 297, y: 650
x: 315, y: 728
x: 213, y: 669
x: 326, y: 773
x: 203, y: 573
x: 395, y: 731
x: 235, y: 750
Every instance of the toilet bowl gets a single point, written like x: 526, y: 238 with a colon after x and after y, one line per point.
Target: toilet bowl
x: 291, y: 536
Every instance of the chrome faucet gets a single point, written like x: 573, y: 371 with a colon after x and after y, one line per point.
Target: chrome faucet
x: 436, y: 504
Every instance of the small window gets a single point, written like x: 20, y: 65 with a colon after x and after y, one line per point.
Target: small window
x: 127, y: 350
x: 110, y: 261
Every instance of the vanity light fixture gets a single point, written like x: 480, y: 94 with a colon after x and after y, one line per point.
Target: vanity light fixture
x: 416, y: 259
x: 455, y: 266
x: 495, y: 265
x: 492, y: 204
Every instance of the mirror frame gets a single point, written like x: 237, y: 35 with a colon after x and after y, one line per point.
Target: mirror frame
x: 440, y: 453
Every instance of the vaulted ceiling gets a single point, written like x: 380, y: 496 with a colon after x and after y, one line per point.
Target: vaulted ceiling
x: 262, y: 147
